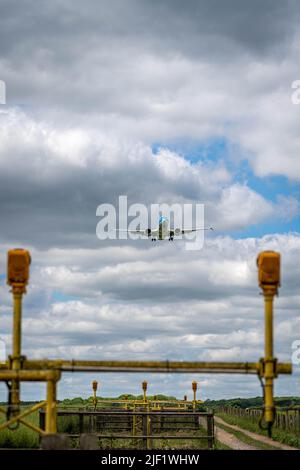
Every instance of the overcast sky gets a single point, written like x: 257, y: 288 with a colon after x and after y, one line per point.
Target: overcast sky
x: 162, y: 101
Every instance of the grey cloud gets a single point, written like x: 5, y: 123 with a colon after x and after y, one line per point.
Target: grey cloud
x: 86, y: 56
x: 185, y: 322
x: 259, y: 25
x: 159, y: 71
x: 63, y: 175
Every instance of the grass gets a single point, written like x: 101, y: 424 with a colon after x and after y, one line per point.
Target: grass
x: 283, y: 436
x: 23, y: 437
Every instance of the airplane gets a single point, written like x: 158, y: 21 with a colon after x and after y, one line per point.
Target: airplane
x: 163, y: 232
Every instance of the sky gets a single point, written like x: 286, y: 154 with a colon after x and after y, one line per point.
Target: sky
x: 164, y: 102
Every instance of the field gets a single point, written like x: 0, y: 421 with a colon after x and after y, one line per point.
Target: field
x: 118, y: 430
x: 71, y: 425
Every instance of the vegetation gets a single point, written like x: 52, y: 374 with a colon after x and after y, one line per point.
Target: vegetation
x: 246, y: 439
x: 252, y: 402
x: 286, y: 437
x: 24, y: 437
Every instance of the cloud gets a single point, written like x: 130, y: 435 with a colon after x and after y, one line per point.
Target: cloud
x: 64, y: 174
x: 200, y: 72
x: 200, y: 306
x: 238, y: 207
x: 288, y: 207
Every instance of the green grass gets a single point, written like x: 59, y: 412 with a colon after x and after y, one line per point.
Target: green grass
x: 23, y: 437
x: 284, y: 436
x: 220, y: 446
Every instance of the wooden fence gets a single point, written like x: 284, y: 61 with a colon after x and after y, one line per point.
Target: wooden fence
x: 286, y: 418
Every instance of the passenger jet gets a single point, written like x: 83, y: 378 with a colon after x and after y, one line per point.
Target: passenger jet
x: 163, y: 231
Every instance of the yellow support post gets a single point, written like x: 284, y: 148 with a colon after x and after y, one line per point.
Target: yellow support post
x: 269, y: 361
x: 134, y: 425
x: 18, y: 261
x: 51, y: 408
x: 16, y: 350
x: 126, y: 402
x: 149, y: 440
x: 268, y: 263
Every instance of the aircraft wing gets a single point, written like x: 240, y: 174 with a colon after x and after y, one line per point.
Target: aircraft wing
x: 190, y: 230
x: 140, y: 232
x: 146, y: 232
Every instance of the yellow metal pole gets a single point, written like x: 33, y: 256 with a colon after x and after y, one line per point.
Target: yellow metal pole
x: 18, y: 261
x: 149, y: 366
x: 16, y: 349
x: 268, y: 263
x: 30, y: 375
x: 51, y: 408
x: 148, y: 427
x: 269, y: 362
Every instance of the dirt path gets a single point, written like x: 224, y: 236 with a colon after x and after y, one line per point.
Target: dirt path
x: 227, y: 438
x: 253, y: 435
x: 231, y: 441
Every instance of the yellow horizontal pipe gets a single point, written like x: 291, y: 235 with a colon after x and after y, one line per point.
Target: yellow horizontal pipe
x: 149, y: 366
x: 30, y: 375
x: 131, y: 402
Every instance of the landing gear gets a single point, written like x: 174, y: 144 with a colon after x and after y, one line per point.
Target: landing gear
x: 153, y: 239
x: 171, y: 239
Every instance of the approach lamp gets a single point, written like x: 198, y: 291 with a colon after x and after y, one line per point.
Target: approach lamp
x: 194, y: 388
x: 268, y: 263
x: 18, y: 262
x: 144, y: 385
x: 95, y: 385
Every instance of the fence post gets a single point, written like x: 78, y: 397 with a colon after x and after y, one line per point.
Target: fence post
x: 42, y: 419
x: 210, y: 430
x: 80, y: 423
x: 149, y: 432
x: 144, y: 430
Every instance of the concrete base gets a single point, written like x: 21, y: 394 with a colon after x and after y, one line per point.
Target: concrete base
x: 55, y: 442
x: 88, y: 442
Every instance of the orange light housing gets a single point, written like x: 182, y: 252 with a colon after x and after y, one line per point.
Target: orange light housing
x: 18, y: 262
x: 268, y: 263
